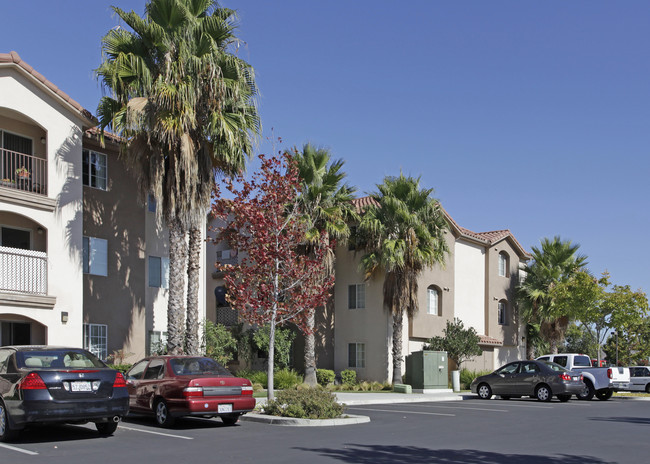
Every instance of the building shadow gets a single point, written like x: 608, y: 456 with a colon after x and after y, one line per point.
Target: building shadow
x: 393, y: 454
x: 629, y: 420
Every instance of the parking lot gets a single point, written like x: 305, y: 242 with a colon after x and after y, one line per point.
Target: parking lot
x: 470, y: 431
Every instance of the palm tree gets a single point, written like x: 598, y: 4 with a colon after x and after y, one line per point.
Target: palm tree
x: 327, y: 206
x: 184, y: 107
x: 401, y: 234
x: 555, y: 262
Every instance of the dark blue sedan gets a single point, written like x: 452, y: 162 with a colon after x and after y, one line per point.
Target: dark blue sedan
x: 42, y: 384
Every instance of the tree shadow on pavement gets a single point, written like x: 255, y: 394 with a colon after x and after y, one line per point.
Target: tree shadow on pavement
x: 383, y: 454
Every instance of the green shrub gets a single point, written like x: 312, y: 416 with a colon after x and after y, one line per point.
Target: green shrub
x: 312, y: 403
x: 286, y: 378
x: 254, y: 376
x: 325, y: 376
x: 467, y: 376
x: 120, y: 367
x: 219, y: 343
x: 349, y: 376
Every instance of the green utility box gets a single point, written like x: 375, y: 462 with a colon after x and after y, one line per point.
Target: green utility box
x: 427, y: 370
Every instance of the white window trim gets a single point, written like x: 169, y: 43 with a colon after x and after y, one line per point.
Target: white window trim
x: 95, y: 265
x: 503, y: 264
x: 164, y: 272
x: 502, y: 320
x: 430, y: 310
x: 357, y: 294
x: 89, y: 175
x: 88, y: 340
x: 358, y: 348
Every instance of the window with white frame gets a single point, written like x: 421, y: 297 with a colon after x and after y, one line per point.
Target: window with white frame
x: 95, y: 256
x: 157, y: 343
x: 356, y: 355
x: 433, y: 300
x: 356, y: 296
x: 503, y: 264
x: 96, y: 339
x: 94, y: 169
x: 158, y: 272
x: 502, y: 312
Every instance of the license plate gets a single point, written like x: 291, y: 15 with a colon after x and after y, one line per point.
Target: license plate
x: 576, y: 378
x: 224, y: 408
x: 81, y: 386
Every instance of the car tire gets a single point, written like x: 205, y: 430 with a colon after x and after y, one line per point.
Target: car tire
x: 543, y: 393
x: 604, y: 395
x: 647, y: 388
x: 230, y: 419
x: 484, y: 391
x: 106, y: 428
x: 163, y: 416
x: 588, y: 392
x: 564, y: 398
x: 6, y: 432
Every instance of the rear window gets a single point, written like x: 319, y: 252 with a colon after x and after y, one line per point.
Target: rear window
x: 555, y: 367
x: 198, y: 366
x: 581, y: 361
x: 58, y: 359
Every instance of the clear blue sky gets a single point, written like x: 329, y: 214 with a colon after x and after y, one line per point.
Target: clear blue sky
x: 530, y: 116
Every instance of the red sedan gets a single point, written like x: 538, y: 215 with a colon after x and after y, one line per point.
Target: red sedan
x: 174, y: 386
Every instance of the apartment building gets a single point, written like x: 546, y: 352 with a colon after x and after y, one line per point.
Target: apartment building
x: 476, y: 285
x: 83, y: 262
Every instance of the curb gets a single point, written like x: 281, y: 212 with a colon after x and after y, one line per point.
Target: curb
x: 349, y: 419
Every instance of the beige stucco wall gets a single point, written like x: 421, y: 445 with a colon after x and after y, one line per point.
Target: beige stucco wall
x: 469, y: 277
x: 62, y: 127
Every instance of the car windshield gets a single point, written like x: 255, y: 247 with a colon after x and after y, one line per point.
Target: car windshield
x: 198, y: 366
x: 555, y: 367
x: 57, y: 359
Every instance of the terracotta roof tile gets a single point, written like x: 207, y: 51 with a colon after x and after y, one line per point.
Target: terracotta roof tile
x: 487, y: 238
x: 485, y: 340
x: 14, y: 58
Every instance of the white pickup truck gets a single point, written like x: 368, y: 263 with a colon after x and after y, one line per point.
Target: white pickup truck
x: 599, y: 381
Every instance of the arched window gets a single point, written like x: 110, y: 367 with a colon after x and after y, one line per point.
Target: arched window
x: 502, y: 314
x: 504, y: 264
x: 434, y: 301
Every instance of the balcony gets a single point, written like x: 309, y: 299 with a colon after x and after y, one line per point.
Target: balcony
x: 23, y: 271
x: 23, y: 172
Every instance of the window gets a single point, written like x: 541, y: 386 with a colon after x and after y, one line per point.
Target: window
x: 561, y: 360
x: 94, y: 169
x: 158, y: 272
x: 157, y: 342
x: 503, y: 312
x: 511, y: 368
x: 529, y: 368
x: 95, y: 256
x: 96, y: 339
x: 151, y: 203
x: 356, y: 296
x: 433, y: 301
x: 356, y: 355
x: 156, y: 370
x: 503, y: 264
x: 136, y: 371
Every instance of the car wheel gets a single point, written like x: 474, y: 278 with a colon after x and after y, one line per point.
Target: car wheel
x: 106, y: 428
x: 587, y: 392
x: 543, y: 393
x: 230, y: 420
x: 647, y: 388
x: 564, y: 398
x: 484, y: 391
x: 604, y: 395
x: 163, y: 417
x: 6, y: 433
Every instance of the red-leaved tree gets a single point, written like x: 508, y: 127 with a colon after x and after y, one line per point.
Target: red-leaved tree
x: 274, y: 282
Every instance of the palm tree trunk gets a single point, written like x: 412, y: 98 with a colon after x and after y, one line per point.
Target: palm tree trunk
x: 177, y: 267
x: 192, y: 339
x: 397, y: 346
x: 310, y: 349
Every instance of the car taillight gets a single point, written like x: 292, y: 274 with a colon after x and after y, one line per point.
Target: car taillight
x: 32, y: 381
x: 119, y: 381
x: 192, y: 391
x: 582, y: 377
x: 609, y: 373
x: 565, y: 376
x: 246, y: 390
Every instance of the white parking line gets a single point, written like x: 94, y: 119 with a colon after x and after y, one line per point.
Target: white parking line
x: 20, y: 450
x: 156, y: 433
x: 519, y: 405
x: 404, y: 412
x: 463, y: 407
